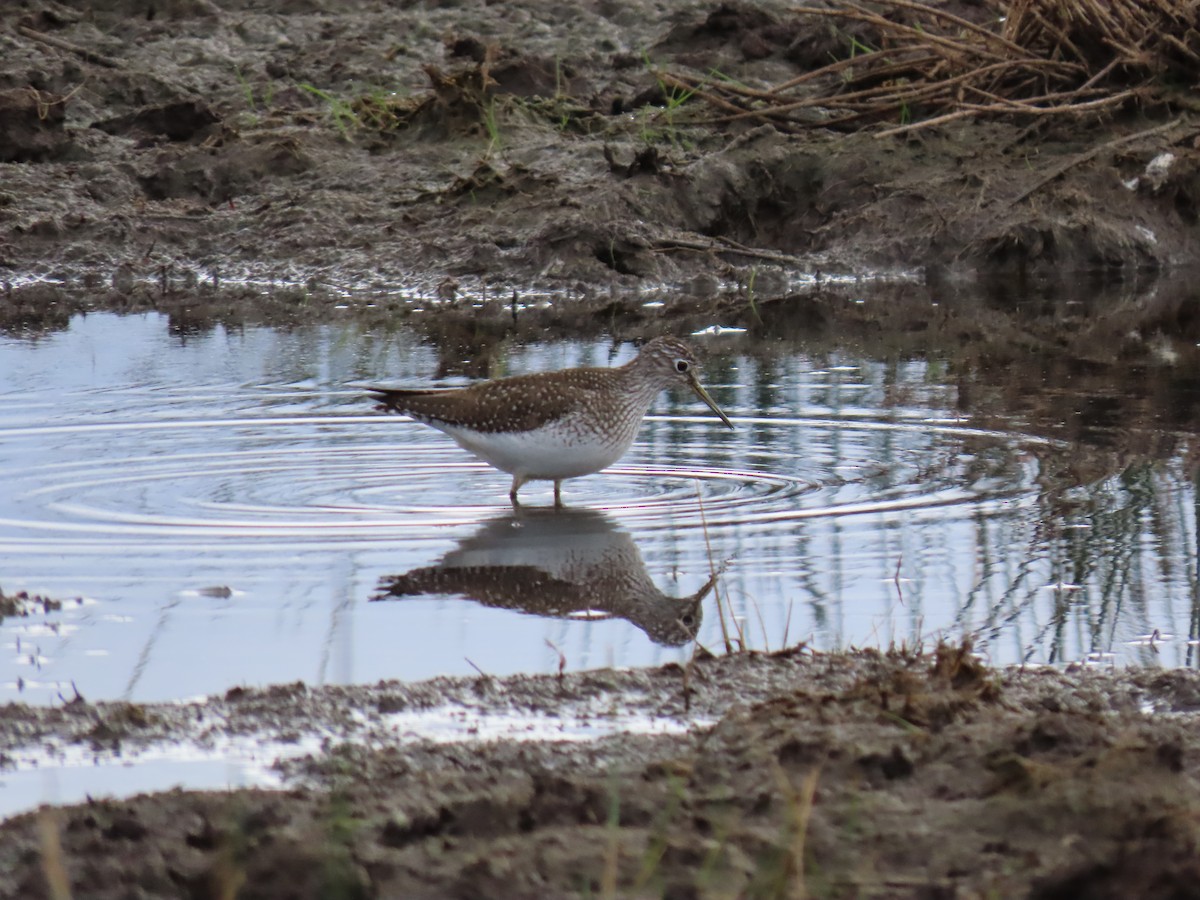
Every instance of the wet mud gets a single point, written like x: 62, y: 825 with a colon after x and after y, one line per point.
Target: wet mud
x: 476, y: 147
x: 523, y: 167
x: 865, y: 774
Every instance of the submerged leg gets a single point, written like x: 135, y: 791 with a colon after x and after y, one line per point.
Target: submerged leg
x: 516, y: 486
x: 558, y: 493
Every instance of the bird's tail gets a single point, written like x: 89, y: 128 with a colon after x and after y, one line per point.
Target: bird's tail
x: 396, y: 399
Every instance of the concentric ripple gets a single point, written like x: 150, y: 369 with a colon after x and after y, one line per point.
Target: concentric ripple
x: 226, y: 508
x: 332, y: 478
x: 315, y: 478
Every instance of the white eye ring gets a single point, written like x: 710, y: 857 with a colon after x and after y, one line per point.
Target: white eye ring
x: 681, y: 366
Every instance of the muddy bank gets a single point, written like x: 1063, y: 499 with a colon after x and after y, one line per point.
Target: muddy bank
x: 468, y: 147
x: 855, y: 775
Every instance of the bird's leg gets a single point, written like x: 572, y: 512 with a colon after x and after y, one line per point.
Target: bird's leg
x: 516, y: 486
x: 558, y: 493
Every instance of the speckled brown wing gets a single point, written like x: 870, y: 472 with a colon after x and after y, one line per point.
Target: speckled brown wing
x: 520, y: 403
x: 523, y: 588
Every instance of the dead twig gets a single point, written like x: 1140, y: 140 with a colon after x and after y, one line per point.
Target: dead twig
x: 1036, y: 58
x: 724, y: 245
x: 1087, y: 155
x: 927, y: 38
x: 90, y: 55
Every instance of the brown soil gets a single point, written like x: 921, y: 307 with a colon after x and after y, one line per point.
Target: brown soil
x: 182, y: 154
x: 364, y: 143
x: 854, y: 775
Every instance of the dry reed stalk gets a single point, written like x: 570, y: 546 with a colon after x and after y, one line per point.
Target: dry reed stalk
x: 1027, y: 58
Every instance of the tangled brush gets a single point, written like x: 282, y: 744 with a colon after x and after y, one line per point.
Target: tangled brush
x: 910, y: 65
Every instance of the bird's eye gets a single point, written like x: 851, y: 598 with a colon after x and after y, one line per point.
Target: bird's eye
x: 681, y: 366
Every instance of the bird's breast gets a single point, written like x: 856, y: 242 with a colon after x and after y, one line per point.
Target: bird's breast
x: 558, y: 450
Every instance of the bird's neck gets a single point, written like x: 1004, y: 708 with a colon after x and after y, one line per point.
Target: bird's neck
x: 641, y: 384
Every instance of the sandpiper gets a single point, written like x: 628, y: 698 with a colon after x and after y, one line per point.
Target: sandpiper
x: 554, y: 425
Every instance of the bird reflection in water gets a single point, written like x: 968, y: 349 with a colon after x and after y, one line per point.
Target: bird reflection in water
x: 563, y: 563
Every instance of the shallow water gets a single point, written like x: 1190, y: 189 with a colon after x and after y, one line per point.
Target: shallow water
x: 228, y: 509
x: 60, y: 772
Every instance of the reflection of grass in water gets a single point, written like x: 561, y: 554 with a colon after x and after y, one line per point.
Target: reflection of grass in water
x: 1099, y: 578
x: 1128, y: 550
x: 723, y: 601
x: 714, y: 573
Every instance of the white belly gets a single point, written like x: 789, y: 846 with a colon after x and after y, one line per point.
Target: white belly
x: 544, y: 454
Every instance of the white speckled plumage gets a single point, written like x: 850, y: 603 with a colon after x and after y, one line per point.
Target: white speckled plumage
x: 554, y: 425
